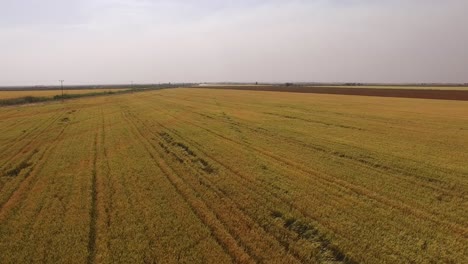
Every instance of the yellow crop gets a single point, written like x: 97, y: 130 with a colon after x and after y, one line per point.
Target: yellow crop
x: 219, y: 176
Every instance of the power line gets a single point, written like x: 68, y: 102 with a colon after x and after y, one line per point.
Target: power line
x: 61, y: 84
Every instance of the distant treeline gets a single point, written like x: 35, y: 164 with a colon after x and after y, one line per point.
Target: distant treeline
x: 167, y: 85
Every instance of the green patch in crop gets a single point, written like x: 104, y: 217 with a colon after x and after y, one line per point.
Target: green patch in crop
x: 17, y: 170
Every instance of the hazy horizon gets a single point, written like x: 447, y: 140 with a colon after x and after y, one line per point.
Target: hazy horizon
x: 153, y: 41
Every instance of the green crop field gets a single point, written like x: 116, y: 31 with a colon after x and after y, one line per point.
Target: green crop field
x: 220, y: 176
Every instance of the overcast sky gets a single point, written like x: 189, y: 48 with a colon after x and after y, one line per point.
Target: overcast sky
x: 151, y: 41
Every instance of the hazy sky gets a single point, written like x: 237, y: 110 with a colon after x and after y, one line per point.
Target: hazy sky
x: 150, y: 41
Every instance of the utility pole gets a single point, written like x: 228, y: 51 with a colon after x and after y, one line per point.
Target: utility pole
x: 61, y: 84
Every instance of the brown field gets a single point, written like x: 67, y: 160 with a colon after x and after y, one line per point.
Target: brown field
x: 443, y: 94
x: 227, y: 176
x: 47, y: 93
x: 456, y: 88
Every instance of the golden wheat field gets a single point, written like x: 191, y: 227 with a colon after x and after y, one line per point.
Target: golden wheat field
x: 223, y: 176
x: 47, y: 93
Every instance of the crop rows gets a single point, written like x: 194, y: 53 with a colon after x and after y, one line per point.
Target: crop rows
x: 212, y: 176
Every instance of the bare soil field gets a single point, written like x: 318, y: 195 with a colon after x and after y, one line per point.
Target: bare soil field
x: 443, y: 94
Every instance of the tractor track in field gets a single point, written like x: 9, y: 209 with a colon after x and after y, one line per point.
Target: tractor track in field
x: 13, y: 125
x: 18, y: 195
x: 32, y: 166
x: 198, y: 183
x: 357, y: 189
x: 65, y: 199
x: 216, y: 191
x: 27, y: 144
x: 219, y: 232
x: 93, y: 209
x: 226, y: 241
x: 53, y: 119
x: 336, y: 252
x: 26, y: 133
x: 400, y: 173
x: 125, y: 185
x: 378, y: 168
x: 338, y: 255
x: 338, y: 182
x: 108, y: 206
x: 320, y: 149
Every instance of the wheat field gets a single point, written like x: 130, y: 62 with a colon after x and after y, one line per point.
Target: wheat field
x: 48, y: 93
x: 223, y: 176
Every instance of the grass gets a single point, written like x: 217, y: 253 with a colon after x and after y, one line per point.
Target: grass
x: 220, y: 176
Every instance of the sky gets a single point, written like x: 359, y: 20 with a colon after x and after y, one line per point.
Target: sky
x: 153, y: 41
